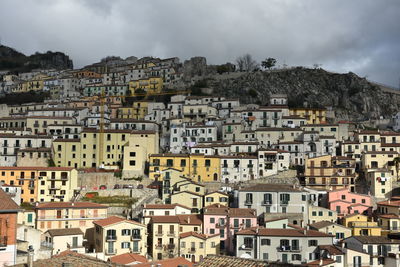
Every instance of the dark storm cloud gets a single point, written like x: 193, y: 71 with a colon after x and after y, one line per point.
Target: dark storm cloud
x: 360, y: 36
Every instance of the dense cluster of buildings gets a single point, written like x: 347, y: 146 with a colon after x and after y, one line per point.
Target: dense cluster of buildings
x: 268, y: 183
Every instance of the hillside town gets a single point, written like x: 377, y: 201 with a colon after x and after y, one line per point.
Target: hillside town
x: 120, y: 166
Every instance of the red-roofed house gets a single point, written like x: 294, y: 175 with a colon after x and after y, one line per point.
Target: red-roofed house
x: 194, y: 246
x: 128, y: 259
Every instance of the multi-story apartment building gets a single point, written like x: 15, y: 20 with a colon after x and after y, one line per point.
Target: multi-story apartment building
x: 195, y: 247
x: 60, y: 215
x: 164, y: 233
x: 362, y: 225
x: 381, y: 249
x: 277, y: 200
x: 184, y: 136
x: 162, y: 210
x: 8, y: 230
x: 271, y: 161
x: 327, y: 172
x: 345, y: 202
x: 238, y: 168
x: 85, y: 152
x: 380, y: 182
x: 225, y: 221
x: 11, y: 143
x: 42, y: 183
x: 313, y: 115
x: 198, y: 167
x: 292, y: 246
x: 115, y: 235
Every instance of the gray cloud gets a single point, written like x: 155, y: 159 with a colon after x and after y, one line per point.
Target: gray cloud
x: 360, y: 36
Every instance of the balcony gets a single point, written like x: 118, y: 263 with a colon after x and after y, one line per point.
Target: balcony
x: 289, y: 248
x: 46, y: 244
x: 111, y: 251
x: 111, y: 238
x: 192, y: 250
x: 158, y: 246
x: 246, y: 247
x: 159, y: 233
x: 235, y: 226
x: 284, y: 202
x: 170, y: 246
x: 250, y: 166
x: 171, y: 233
x: 248, y: 202
x: 136, y: 237
x: 54, y: 187
x: 266, y: 202
x: 220, y: 225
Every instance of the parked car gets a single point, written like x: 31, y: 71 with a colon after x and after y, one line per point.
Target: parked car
x: 128, y: 186
x: 140, y: 186
x: 117, y: 186
x: 102, y: 187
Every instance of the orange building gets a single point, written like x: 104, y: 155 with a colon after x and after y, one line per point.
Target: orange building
x: 8, y: 230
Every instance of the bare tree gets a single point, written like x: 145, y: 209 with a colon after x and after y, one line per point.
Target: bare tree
x: 246, y: 63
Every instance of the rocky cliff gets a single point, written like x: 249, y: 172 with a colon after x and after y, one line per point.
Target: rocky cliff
x: 352, y: 97
x: 12, y: 60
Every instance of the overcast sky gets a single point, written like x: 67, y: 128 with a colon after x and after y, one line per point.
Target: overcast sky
x: 362, y: 36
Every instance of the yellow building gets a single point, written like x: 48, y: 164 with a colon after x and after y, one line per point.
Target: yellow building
x: 151, y: 85
x: 178, y: 189
x: 361, y: 225
x: 198, y: 167
x: 39, y: 124
x: 378, y: 160
x: 138, y: 111
x: 313, y: 115
x: 42, y: 183
x: 216, y: 197
x: 60, y: 215
x: 194, y: 246
x: 85, y: 152
x: 165, y: 230
x: 115, y: 235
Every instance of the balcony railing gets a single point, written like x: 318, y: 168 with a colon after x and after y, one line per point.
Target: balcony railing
x: 289, y: 248
x: 266, y: 202
x: 220, y: 225
x: 170, y: 246
x: 171, y: 233
x: 111, y: 238
x: 284, y: 202
x: 54, y: 187
x: 159, y: 233
x: 248, y: 202
x: 135, y: 237
x: 192, y: 250
x: 246, y: 247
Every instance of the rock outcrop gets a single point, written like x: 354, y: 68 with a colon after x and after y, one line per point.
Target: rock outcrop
x: 14, y: 61
x: 352, y: 97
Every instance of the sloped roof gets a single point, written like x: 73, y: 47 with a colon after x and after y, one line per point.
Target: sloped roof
x: 282, y: 232
x: 7, y: 205
x: 70, y: 205
x: 174, y: 262
x: 113, y: 220
x: 63, y: 232
x: 128, y: 258
x: 228, y: 261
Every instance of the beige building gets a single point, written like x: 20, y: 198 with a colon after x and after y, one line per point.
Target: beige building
x: 115, y: 235
x: 380, y: 183
x: 62, y: 215
x: 60, y: 240
x: 338, y: 231
x: 195, y: 247
x: 319, y: 214
x: 165, y: 230
x: 216, y: 197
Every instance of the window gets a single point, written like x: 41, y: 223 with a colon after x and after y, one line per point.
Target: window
x: 183, y: 163
x: 248, y: 242
x: 208, y: 163
x: 132, y: 162
x: 212, y: 220
x: 183, y: 244
x: 222, y: 233
x: 312, y: 243
x: 296, y: 257
x: 125, y: 232
x: 125, y: 245
x: 132, y: 154
x: 265, y: 242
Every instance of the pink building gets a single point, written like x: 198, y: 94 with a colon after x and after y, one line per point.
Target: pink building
x: 219, y: 219
x: 345, y: 202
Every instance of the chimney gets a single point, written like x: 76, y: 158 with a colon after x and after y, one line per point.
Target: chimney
x: 188, y: 219
x: 305, y: 231
x: 72, y: 203
x: 30, y: 256
x: 320, y: 262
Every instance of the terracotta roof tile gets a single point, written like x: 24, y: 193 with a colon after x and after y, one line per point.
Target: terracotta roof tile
x: 63, y: 232
x: 113, y: 220
x: 282, y: 232
x: 174, y: 262
x: 128, y: 258
x: 228, y: 261
x: 7, y: 204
